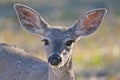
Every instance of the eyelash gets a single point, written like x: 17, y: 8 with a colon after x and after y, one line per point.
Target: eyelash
x: 46, y: 42
x: 69, y: 42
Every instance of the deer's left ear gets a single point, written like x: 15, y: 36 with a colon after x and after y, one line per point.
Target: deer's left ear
x: 88, y: 23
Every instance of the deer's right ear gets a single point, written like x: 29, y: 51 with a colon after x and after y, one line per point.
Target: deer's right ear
x: 31, y: 19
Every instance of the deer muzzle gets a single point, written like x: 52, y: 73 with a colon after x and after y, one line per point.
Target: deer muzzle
x: 54, y: 60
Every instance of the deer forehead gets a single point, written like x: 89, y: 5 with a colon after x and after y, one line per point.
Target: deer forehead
x: 57, y: 34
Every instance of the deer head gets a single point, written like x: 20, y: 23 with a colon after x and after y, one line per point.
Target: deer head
x: 58, y: 42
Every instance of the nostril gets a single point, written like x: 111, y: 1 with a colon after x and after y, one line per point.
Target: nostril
x: 54, y: 59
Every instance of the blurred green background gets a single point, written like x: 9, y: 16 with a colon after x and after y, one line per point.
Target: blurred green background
x: 95, y: 57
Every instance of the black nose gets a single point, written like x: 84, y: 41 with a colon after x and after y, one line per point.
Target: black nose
x: 54, y: 59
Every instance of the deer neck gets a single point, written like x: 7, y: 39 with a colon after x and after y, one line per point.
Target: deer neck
x: 63, y: 73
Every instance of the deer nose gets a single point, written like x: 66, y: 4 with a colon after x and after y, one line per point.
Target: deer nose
x: 54, y: 59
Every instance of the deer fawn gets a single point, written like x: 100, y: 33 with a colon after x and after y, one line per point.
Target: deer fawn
x: 58, y: 43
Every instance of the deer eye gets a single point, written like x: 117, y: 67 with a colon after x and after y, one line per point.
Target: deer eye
x: 69, y: 42
x: 46, y: 42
